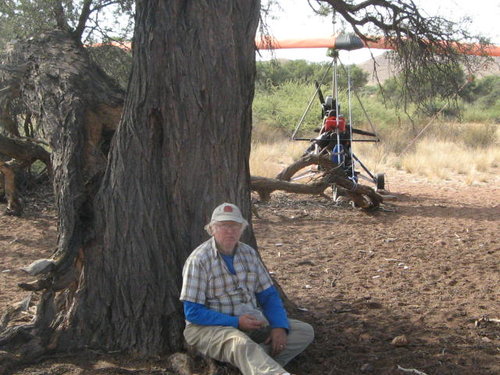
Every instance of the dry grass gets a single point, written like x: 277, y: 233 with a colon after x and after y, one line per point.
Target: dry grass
x: 439, y: 159
x: 431, y: 158
x: 272, y: 150
x: 268, y: 159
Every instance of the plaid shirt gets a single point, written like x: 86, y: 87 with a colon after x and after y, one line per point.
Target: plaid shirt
x: 207, y: 280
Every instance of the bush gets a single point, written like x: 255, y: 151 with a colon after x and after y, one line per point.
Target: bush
x: 480, y: 136
x: 276, y: 73
x: 283, y: 106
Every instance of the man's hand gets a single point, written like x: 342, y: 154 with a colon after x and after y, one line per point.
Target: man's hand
x: 277, y: 339
x: 248, y: 322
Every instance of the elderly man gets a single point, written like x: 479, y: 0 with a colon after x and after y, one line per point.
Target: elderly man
x: 233, y: 312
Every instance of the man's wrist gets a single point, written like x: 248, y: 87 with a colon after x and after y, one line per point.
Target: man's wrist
x: 280, y: 327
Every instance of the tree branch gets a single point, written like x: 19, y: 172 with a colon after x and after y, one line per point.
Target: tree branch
x: 82, y: 20
x: 60, y: 17
x: 423, y: 45
x: 23, y: 150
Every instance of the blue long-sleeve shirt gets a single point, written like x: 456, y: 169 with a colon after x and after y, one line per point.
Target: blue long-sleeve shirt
x: 268, y: 299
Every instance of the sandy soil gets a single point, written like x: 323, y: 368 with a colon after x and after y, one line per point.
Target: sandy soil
x: 412, y: 285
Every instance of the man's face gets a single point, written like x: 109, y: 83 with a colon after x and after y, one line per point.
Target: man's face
x: 227, y: 234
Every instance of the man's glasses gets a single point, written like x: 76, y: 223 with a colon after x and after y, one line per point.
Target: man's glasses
x: 228, y: 226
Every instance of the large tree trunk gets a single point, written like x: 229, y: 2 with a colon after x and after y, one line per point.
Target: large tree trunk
x: 78, y: 106
x: 181, y: 149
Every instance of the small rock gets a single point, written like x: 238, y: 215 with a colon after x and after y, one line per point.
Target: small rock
x: 39, y: 266
x: 367, y: 367
x: 374, y: 305
x: 400, y: 341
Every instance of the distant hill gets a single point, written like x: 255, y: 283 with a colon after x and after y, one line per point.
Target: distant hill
x: 385, y: 70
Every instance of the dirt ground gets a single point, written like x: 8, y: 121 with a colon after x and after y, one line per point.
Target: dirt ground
x: 412, y: 286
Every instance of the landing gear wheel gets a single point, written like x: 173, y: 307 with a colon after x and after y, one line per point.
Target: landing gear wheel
x: 380, y: 181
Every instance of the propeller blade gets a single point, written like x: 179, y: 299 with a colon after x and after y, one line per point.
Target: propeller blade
x: 320, y: 93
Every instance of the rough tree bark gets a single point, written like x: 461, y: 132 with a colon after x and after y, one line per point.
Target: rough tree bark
x: 181, y: 148
x: 7, y: 121
x: 188, y: 117
x: 77, y: 106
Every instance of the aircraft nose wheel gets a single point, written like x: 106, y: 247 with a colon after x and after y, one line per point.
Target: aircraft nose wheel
x: 380, y: 181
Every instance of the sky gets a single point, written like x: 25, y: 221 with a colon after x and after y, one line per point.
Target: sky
x: 297, y: 20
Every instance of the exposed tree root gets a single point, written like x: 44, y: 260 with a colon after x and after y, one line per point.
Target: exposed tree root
x: 14, y: 206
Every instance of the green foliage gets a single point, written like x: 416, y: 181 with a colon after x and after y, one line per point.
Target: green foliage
x: 425, y: 93
x: 21, y: 19
x: 25, y: 18
x: 284, y: 88
x: 475, y: 101
x: 380, y: 115
x: 484, y: 92
x: 482, y: 102
x: 275, y: 73
x: 481, y: 113
x: 282, y: 106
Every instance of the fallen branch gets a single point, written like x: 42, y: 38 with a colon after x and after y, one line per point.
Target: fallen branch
x: 265, y: 186
x: 363, y: 196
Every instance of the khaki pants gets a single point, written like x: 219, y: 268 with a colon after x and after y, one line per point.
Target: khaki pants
x: 228, y: 344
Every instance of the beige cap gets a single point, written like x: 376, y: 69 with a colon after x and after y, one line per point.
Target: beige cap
x: 228, y: 212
